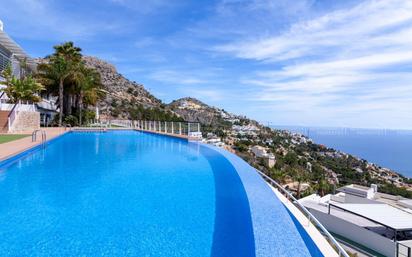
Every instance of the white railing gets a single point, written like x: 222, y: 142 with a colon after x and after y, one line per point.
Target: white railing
x: 21, y: 108
x: 189, y: 129
x: 331, y: 240
x: 121, y: 123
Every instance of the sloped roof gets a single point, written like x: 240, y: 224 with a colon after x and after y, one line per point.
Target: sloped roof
x: 14, y: 48
x: 11, y: 45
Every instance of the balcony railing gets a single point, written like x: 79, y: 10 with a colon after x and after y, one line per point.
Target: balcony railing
x: 329, y: 238
x: 189, y: 129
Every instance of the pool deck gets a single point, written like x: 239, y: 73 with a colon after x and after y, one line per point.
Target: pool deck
x: 15, y: 147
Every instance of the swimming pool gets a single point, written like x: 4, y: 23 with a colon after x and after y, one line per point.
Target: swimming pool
x: 129, y: 193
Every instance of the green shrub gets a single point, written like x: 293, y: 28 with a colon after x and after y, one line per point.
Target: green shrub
x: 71, y: 120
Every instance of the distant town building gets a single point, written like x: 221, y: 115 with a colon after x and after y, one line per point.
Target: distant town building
x: 261, y: 152
x: 270, y: 161
x: 309, y: 166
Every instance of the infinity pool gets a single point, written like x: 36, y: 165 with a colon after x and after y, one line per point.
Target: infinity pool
x: 128, y: 193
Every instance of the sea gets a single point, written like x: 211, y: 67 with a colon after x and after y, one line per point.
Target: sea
x: 387, y: 148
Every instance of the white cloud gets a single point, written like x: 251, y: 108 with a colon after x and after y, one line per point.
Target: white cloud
x: 43, y: 20
x: 348, y: 66
x: 353, y: 29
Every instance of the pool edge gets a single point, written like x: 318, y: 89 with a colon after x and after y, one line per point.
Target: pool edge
x: 27, y: 150
x: 321, y: 243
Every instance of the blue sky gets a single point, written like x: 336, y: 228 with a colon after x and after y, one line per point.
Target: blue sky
x: 301, y: 62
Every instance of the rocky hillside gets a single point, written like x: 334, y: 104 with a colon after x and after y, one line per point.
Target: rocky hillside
x: 120, y: 89
x: 194, y: 110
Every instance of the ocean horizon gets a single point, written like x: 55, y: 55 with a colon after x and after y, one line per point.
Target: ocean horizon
x: 388, y: 148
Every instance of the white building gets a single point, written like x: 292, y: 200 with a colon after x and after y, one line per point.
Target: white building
x: 15, y: 116
x: 261, y: 152
x: 378, y: 222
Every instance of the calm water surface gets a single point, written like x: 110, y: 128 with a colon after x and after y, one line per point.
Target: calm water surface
x: 123, y: 194
x: 387, y: 148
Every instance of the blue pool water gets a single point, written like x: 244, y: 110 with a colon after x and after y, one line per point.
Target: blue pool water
x: 128, y: 193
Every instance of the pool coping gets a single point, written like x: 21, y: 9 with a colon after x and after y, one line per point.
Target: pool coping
x: 29, y: 148
x: 243, y: 167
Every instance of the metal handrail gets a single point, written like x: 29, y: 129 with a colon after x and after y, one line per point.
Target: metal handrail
x: 43, y: 136
x: 309, y: 215
x: 67, y: 126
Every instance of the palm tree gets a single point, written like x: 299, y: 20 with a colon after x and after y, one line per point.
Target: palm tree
x: 322, y: 186
x: 69, y: 52
x: 26, y: 88
x: 277, y: 175
x: 89, y: 88
x: 57, y: 70
x: 300, y: 175
x: 59, y: 67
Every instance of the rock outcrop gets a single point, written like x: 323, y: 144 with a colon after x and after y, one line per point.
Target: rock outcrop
x: 120, y: 88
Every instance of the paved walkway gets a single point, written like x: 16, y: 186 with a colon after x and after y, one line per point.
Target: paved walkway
x: 17, y: 146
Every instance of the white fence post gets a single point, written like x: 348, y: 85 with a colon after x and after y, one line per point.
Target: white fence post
x: 180, y: 128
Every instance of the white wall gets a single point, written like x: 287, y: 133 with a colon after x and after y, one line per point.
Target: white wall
x: 357, y: 234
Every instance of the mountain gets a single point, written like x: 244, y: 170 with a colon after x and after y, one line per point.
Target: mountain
x: 193, y: 110
x: 120, y: 90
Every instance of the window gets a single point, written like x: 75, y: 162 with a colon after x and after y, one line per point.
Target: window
x: 4, y: 59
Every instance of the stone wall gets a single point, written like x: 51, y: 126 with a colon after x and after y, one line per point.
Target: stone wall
x: 26, y: 121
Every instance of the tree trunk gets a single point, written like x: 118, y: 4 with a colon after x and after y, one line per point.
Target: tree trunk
x: 69, y: 105
x: 80, y: 108
x: 298, y: 192
x: 61, y: 101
